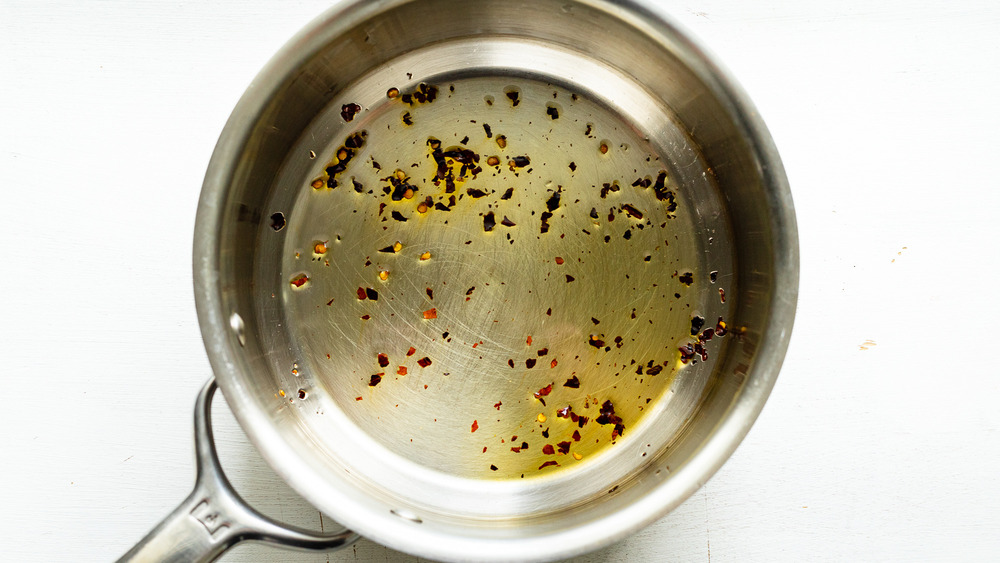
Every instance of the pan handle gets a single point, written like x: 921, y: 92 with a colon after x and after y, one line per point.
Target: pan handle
x: 214, y: 518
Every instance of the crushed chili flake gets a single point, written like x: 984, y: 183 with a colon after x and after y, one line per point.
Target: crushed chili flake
x: 375, y: 379
x: 542, y: 352
x: 572, y: 383
x: 548, y: 463
x: 564, y: 412
x: 277, y: 221
x: 300, y: 280
x: 530, y: 363
x: 348, y: 111
x: 596, y: 341
x: 401, y: 370
x: 383, y: 360
x: 493, y: 468
x: 371, y: 293
x: 547, y: 449
x: 516, y: 449
x: 424, y: 362
x: 543, y: 391
x: 510, y: 362
x: 529, y: 340
x: 563, y: 447
x: 430, y: 314
x: 362, y: 294
x: 553, y: 364
x: 497, y: 405
x: 608, y: 416
x: 559, y: 260
x: 576, y: 435
x: 475, y: 425
x: 358, y: 398
x: 687, y: 353
x: 411, y: 351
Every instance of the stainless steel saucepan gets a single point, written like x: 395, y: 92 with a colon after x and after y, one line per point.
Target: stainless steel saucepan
x: 486, y: 280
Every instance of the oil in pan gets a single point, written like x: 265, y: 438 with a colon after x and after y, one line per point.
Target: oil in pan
x: 496, y: 278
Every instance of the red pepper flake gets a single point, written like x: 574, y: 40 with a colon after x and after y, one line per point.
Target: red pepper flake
x: 608, y: 416
x: 348, y: 111
x: 548, y: 463
x: 516, y: 449
x: 529, y: 340
x: 569, y: 278
x: 362, y: 294
x: 510, y: 362
x: 330, y: 302
x: 365, y: 317
x: 564, y: 412
x: 493, y: 468
x: 530, y: 363
x: 383, y: 360
x: 543, y: 391
x: 547, y: 449
x: 596, y: 341
x: 424, y: 362
x: 722, y: 295
x: 358, y: 399
x: 563, y: 447
x: 576, y: 435
x: 559, y: 260
x: 475, y: 425
x: 484, y: 449
x: 553, y: 364
x: 401, y: 370
x: 375, y: 380
x: 411, y: 351
x: 497, y: 405
x: 542, y: 352
x: 572, y: 383
x: 687, y: 353
x: 371, y: 293
x: 632, y: 211
x: 431, y: 314
x: 430, y: 293
x: 720, y: 327
x: 300, y: 280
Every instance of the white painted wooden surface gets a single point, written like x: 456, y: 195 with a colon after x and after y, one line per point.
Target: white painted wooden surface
x: 887, y: 115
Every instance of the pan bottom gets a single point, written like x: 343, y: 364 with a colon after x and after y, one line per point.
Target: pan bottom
x: 499, y: 274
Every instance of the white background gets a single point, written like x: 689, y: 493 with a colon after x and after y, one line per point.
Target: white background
x: 887, y: 116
